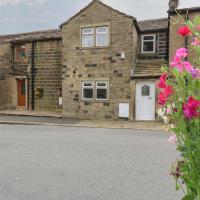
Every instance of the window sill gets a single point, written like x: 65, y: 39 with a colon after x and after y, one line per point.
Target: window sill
x: 94, y: 48
x: 148, y: 53
x: 95, y: 101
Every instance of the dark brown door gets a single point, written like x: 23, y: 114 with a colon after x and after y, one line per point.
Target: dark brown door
x: 21, y: 92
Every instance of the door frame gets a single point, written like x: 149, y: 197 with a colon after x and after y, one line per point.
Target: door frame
x: 145, y: 81
x: 16, y: 91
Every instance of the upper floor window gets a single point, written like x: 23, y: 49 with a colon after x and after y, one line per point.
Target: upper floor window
x: 20, y: 53
x: 95, y: 37
x: 148, y: 43
x: 88, y: 37
x: 101, y: 36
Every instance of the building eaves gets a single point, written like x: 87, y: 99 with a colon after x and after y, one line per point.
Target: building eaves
x: 31, y: 36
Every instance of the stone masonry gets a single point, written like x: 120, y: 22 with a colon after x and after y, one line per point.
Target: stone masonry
x: 98, y: 63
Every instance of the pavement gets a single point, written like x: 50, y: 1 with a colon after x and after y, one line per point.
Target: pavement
x: 25, y: 117
x: 70, y: 163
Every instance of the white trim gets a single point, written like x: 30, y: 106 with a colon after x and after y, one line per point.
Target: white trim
x: 102, y: 87
x: 87, y: 87
x: 95, y: 33
x: 154, y: 42
x: 92, y: 34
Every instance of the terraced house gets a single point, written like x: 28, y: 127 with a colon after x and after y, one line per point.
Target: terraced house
x: 100, y: 64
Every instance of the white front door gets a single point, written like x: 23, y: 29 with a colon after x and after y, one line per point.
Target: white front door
x: 145, y: 100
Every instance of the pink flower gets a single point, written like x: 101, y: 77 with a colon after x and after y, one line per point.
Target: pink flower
x: 162, y: 99
x: 182, y: 52
x: 191, y: 107
x: 172, y: 139
x: 164, y: 95
x: 169, y: 111
x: 168, y: 91
x: 196, y: 42
x: 187, y: 66
x: 198, y: 27
x: 195, y: 73
x: 184, y: 31
x: 162, y: 82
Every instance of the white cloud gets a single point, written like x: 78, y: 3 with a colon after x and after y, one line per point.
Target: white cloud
x: 15, y: 2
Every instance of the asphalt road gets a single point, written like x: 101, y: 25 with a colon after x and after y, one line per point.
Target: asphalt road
x: 57, y: 163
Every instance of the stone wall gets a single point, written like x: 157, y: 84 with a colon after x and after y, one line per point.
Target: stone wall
x: 48, y: 73
x: 98, y: 63
x: 161, y: 47
x: 5, y: 77
x: 177, y: 41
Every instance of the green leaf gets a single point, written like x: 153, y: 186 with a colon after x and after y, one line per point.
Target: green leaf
x: 188, y: 197
x: 196, y: 20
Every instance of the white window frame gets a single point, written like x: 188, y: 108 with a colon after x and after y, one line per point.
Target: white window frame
x: 101, y: 33
x: 87, y: 87
x: 92, y: 33
x: 153, y: 40
x: 102, y: 87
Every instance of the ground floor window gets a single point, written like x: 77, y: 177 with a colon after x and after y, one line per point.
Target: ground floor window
x: 95, y: 90
x: 87, y: 90
x: 101, y: 90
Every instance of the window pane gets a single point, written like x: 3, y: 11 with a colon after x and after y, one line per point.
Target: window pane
x: 87, y: 31
x: 102, y: 39
x: 145, y: 90
x: 88, y: 84
x: 148, y: 37
x: 102, y: 94
x: 102, y: 30
x: 87, y: 41
x: 101, y: 84
x: 148, y: 46
x: 87, y: 93
x: 20, y: 53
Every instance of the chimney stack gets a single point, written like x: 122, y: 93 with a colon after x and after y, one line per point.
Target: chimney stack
x: 173, y: 5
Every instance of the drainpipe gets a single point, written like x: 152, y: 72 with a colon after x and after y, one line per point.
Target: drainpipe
x: 33, y: 76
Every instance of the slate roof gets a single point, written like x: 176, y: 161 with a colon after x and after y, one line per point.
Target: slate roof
x: 153, y: 25
x: 31, y: 36
x: 146, y: 69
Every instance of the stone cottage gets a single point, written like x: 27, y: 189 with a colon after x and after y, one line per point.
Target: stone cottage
x: 102, y: 62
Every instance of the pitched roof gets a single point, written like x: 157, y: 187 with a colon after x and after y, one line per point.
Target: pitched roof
x: 31, y: 36
x: 90, y: 4
x: 153, y: 25
x: 146, y: 69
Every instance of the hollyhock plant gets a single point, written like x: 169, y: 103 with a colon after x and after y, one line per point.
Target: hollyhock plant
x: 184, y: 31
x: 182, y: 52
x: 191, y: 108
x: 180, y: 109
x: 172, y: 139
x: 196, y: 42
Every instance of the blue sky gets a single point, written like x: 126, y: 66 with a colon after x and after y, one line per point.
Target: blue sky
x: 30, y: 15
